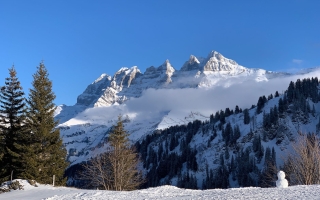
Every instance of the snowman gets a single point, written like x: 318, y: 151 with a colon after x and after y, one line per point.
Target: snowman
x: 281, y: 182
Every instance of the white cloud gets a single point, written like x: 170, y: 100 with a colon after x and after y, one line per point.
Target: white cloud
x: 209, y: 101
x: 154, y: 104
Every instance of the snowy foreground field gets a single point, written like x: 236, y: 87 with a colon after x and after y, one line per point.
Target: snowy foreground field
x: 163, y: 192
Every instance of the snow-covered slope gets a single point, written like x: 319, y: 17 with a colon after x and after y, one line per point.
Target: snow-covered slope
x: 164, y: 192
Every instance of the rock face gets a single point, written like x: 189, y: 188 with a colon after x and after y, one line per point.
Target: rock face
x: 94, y: 90
x: 216, y: 62
x: 281, y: 182
x: 192, y: 64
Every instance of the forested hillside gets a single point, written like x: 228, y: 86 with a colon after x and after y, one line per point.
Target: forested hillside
x: 236, y: 147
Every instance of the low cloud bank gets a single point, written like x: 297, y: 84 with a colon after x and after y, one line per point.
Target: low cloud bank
x: 227, y: 93
x: 209, y: 101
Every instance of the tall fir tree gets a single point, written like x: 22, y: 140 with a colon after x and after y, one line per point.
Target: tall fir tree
x: 12, y: 129
x: 45, y: 151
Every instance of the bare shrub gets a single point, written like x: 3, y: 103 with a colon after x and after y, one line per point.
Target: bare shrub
x: 116, y: 169
x: 302, y: 165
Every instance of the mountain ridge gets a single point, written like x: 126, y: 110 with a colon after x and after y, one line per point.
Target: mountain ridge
x: 108, y: 90
x: 156, y: 99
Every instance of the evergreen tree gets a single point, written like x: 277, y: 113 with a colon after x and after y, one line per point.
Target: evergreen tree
x: 258, y: 148
x: 270, y: 97
x: 227, y: 154
x: 172, y: 142
x: 246, y: 116
x: 313, y: 111
x: 227, y: 112
x: 290, y: 92
x: 262, y: 100
x: 236, y: 135
x: 236, y: 110
x: 269, y: 171
x: 222, y: 117
x: 211, y: 119
x: 46, y: 155
x: 12, y: 130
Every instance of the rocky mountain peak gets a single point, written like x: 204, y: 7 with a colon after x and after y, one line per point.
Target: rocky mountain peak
x: 94, y: 90
x: 217, y: 62
x: 165, y: 71
x: 192, y: 64
x: 101, y: 78
x: 166, y: 66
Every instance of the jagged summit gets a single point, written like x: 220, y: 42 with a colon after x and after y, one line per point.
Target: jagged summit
x: 193, y: 59
x: 217, y: 62
x: 195, y: 72
x: 166, y: 66
x: 103, y: 76
x: 192, y: 64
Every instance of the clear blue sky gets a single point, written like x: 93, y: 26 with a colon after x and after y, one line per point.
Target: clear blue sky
x: 79, y: 39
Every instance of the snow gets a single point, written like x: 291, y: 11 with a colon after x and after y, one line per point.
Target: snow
x: 100, y: 78
x: 163, y: 192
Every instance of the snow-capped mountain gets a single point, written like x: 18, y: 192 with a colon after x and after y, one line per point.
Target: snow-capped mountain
x: 130, y: 82
x: 159, y: 98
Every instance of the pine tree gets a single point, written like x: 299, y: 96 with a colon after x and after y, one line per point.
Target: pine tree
x: 290, y: 92
x: 227, y: 154
x: 236, y: 110
x: 246, y: 116
x: 260, y: 104
x: 45, y: 151
x: 236, y: 134
x: 12, y: 130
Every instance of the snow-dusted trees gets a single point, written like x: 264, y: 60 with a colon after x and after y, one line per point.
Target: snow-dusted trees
x: 12, y: 129
x: 302, y: 165
x: 116, y: 169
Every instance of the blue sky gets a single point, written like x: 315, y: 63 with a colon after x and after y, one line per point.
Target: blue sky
x: 79, y: 40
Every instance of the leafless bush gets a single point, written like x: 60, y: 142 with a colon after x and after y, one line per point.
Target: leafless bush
x: 302, y: 165
x: 117, y: 168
